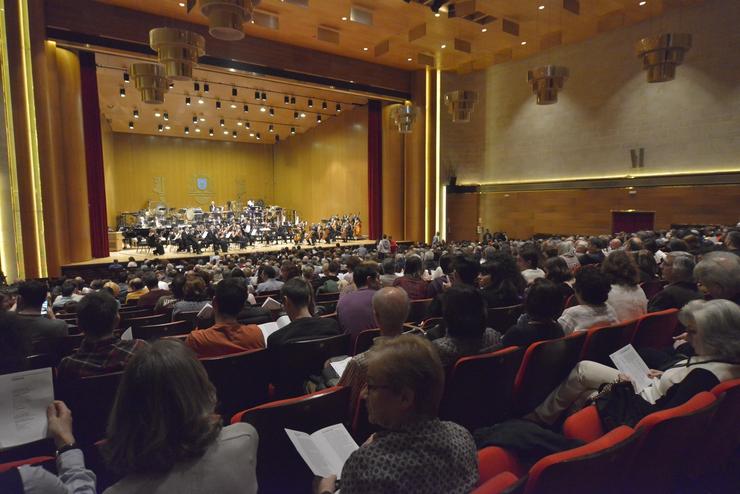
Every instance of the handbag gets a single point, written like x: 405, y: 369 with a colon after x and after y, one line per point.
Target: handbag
x: 618, y: 404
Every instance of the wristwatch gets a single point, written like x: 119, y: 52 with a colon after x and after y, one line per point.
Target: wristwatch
x: 67, y: 447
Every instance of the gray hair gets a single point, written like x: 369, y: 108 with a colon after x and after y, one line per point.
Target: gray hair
x: 566, y: 248
x: 721, y: 269
x: 683, y: 265
x: 717, y: 323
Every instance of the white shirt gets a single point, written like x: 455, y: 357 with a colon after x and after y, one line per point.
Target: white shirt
x: 73, y: 476
x: 532, y: 274
x: 584, y: 317
x: 628, y: 302
x: 678, y: 372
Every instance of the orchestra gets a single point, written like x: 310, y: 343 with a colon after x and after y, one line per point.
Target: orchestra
x: 194, y: 230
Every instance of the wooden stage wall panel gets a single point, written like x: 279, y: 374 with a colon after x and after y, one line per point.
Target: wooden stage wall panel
x: 165, y: 169
x: 588, y: 211
x: 324, y: 171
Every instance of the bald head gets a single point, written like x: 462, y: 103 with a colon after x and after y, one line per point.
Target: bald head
x: 391, y: 308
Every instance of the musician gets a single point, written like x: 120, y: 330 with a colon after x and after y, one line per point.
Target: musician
x: 282, y: 233
x: 153, y: 241
x: 213, y: 207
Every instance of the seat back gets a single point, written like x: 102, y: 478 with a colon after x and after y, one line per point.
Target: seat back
x: 605, y: 340
x: 571, y: 301
x: 241, y: 380
x: 544, y: 366
x: 327, y: 297
x: 655, y: 330
x: 134, y: 322
x: 41, y: 361
x: 280, y: 468
x: 90, y: 399
x: 480, y: 389
x: 598, y: 466
x: 502, y: 318
x: 365, y: 340
x: 156, y: 331
x: 669, y: 437
x: 418, y: 309
x: 189, y: 317
x: 295, y: 361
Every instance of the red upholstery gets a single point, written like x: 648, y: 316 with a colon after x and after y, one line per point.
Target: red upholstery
x: 605, y: 340
x: 594, y: 467
x: 502, y: 318
x: 4, y: 467
x: 545, y: 365
x: 493, y: 461
x: 584, y: 425
x: 655, y: 330
x: 480, y: 389
x: 497, y: 484
x: 240, y: 379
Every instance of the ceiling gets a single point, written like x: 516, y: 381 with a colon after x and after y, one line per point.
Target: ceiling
x: 410, y: 36
x: 119, y: 110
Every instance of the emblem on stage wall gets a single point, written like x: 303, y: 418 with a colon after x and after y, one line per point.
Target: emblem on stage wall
x: 200, y: 190
x: 158, y: 188
x: 201, y: 183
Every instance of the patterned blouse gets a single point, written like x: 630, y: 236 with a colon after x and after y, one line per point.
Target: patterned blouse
x: 427, y: 457
x: 451, y: 349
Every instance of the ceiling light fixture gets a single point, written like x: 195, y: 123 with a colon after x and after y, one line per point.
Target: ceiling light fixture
x: 227, y: 17
x: 202, y: 119
x: 404, y: 116
x: 178, y: 50
x: 292, y: 100
x: 206, y: 87
x: 226, y: 132
x: 131, y: 125
x: 258, y: 136
x: 210, y: 132
x: 247, y: 125
x: 232, y: 106
x: 524, y: 43
x: 200, y: 101
x: 444, y: 46
x: 318, y: 118
x: 484, y: 30
x: 295, y: 115
x: 546, y: 81
x: 122, y: 92
x: 271, y: 128
x: 263, y: 109
x: 310, y: 103
x: 339, y: 108
x: 324, y: 106
x: 218, y: 105
x: 264, y: 96
x: 157, y: 114
x: 187, y: 101
x: 234, y: 91
x: 272, y: 112
x: 167, y: 127
x: 221, y: 122
x: 195, y: 119
x: 166, y: 116
x: 196, y: 87
x: 197, y: 130
x: 136, y: 113
x: 662, y: 54
x: 126, y: 78
x: 233, y: 134
x: 541, y: 7
x: 292, y: 131
x: 187, y: 130
x: 246, y: 108
x: 160, y: 128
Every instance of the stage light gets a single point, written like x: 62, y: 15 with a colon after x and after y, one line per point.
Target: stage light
x: 310, y: 103
x: 171, y: 85
x: 166, y: 116
x: 246, y: 108
x: 263, y: 109
x: 286, y: 99
x: 122, y: 93
x: 292, y: 100
x: 205, y: 88
x: 247, y: 125
x: 318, y: 118
x: 167, y: 127
x: 339, y: 108
x: 210, y: 132
x: 233, y: 106
x: 202, y: 119
x: 160, y: 128
x: 136, y: 113
x: 272, y: 112
x: 271, y: 128
x: 187, y: 101
x: 324, y: 106
x: 303, y: 115
x: 292, y: 131
x: 256, y: 95
x: 234, y: 92
x: 197, y: 130
x: 251, y: 134
x: 200, y: 101
x: 195, y: 119
x: 239, y: 124
x: 222, y: 122
x: 218, y: 105
x: 196, y: 87
x: 157, y: 114
x: 126, y: 78
x: 264, y: 96
x: 233, y: 134
x: 131, y: 125
x: 187, y: 130
x: 226, y: 132
x: 259, y: 137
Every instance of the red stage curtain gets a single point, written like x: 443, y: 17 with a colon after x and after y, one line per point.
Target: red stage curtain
x: 94, y: 156
x: 375, y: 169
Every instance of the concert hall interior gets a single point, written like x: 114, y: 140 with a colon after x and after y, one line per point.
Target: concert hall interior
x: 414, y: 120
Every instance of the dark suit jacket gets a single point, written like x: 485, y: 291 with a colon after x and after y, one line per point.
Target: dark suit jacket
x: 307, y: 328
x: 674, y: 296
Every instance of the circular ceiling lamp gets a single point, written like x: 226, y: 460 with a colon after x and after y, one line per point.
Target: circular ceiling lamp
x: 404, y: 117
x: 150, y: 80
x: 226, y: 17
x: 178, y: 51
x: 546, y: 81
x: 661, y: 54
x: 460, y: 105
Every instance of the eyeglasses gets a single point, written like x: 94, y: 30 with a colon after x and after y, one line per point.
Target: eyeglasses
x: 375, y: 387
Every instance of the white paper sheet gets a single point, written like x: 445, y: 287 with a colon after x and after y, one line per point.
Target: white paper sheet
x: 629, y: 363
x: 270, y: 327
x: 24, y: 397
x: 340, y: 366
x: 127, y: 335
x: 272, y: 304
x: 326, y: 450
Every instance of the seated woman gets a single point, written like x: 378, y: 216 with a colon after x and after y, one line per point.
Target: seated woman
x: 592, y: 291
x: 465, y: 316
x: 411, y: 281
x: 501, y: 282
x: 164, y: 436
x: 626, y: 298
x: 557, y: 271
x: 414, y: 452
x: 712, y: 330
x: 542, y: 307
x: 194, y: 296
x: 648, y: 268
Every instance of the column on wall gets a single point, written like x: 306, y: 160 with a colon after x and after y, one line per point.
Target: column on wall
x: 393, y: 176
x: 374, y: 169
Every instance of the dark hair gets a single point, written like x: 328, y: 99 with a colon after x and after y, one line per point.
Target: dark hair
x: 163, y: 411
x: 676, y: 244
x: 268, y: 271
x: 194, y: 289
x: 96, y: 313
x: 68, y: 288
x: 363, y: 271
x: 592, y: 285
x: 544, y: 300
x: 177, y: 286
x: 598, y: 242
x: 353, y: 262
x: 150, y: 280
x: 290, y: 270
x: 445, y: 262
x: 136, y: 284
x: 467, y: 268
x: 621, y: 268
x: 298, y: 291
x: 33, y: 292
x: 389, y: 265
x: 504, y: 273
x: 556, y: 270
x: 646, y: 262
x: 14, y: 348
x: 231, y: 294
x: 531, y: 255
x: 464, y: 312
x: 334, y: 267
x: 413, y: 266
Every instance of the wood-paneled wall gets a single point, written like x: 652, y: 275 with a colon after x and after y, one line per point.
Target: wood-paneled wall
x: 588, y: 211
x: 166, y: 169
x: 324, y: 171
x: 393, y: 172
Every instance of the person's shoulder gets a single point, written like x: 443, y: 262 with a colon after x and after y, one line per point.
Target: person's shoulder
x: 237, y: 431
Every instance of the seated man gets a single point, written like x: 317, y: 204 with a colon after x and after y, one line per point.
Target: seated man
x: 354, y: 310
x: 414, y: 451
x: 31, y: 323
x: 227, y: 335
x: 68, y: 295
x: 297, y: 298
x: 136, y: 290
x: 678, y: 271
x: 330, y: 281
x: 152, y: 284
x: 100, y: 352
x: 269, y: 283
x: 390, y: 310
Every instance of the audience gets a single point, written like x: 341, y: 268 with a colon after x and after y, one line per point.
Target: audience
x: 411, y: 280
x: 163, y: 433
x: 529, y: 263
x: 501, y: 282
x: 542, y: 307
x: 389, y: 272
x: 269, y: 283
x: 719, y: 274
x: 35, y: 325
x: 194, y: 297
x: 414, y: 451
x: 625, y: 297
x: 168, y: 300
x: 297, y: 299
x: 227, y: 335
x: 592, y: 291
x: 330, y: 280
x: 101, y: 352
x: 677, y: 269
x: 69, y: 289
x: 594, y: 253
x: 354, y: 309
x: 15, y: 344
x: 151, y: 298
x: 557, y: 271
x: 136, y: 289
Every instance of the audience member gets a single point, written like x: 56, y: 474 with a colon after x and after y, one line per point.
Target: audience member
x: 501, y: 282
x: 719, y: 274
x: 411, y: 280
x: 557, y: 271
x: 31, y: 297
x: 297, y: 298
x: 436, y: 286
x: 69, y: 289
x: 677, y: 269
x: 542, y: 307
x: 648, y: 268
x: 625, y: 297
x: 164, y: 436
x: 567, y: 251
x: 136, y: 290
x: 354, y: 309
x: 592, y: 291
x: 269, y: 283
x: 151, y: 298
x: 415, y: 451
x: 227, y: 335
x: 331, y: 279
x: 529, y: 263
x: 194, y: 297
x: 168, y: 300
x: 389, y: 272
x: 15, y: 344
x: 594, y: 253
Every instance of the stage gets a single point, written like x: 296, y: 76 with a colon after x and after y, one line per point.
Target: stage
x: 98, y: 268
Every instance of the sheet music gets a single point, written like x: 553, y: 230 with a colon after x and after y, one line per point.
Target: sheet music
x: 326, y: 450
x: 340, y: 366
x: 24, y: 397
x: 629, y: 363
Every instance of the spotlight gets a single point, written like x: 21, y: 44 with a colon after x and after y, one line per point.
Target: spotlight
x: 232, y: 106
x: 131, y: 125
x: 263, y: 109
x: 205, y: 87
x: 339, y: 108
x: 318, y: 118
x: 171, y: 85
x: 167, y: 127
x: 239, y: 124
x: 157, y: 114
x: 264, y: 96
x: 195, y: 119
x: 136, y: 113
x: 187, y: 101
x: 221, y: 122
x: 292, y: 100
x: 259, y: 137
x: 126, y: 78
x: 197, y: 130
x: 218, y: 105
x: 286, y: 99
x: 234, y: 92
x: 122, y: 93
x: 200, y: 101
x: 272, y: 112
x: 187, y: 130
x: 226, y: 132
x: 271, y: 128
x: 292, y: 131
x: 247, y: 125
x: 246, y: 108
x: 324, y: 106
x: 303, y: 115
x: 166, y: 116
x: 210, y: 132
x: 233, y: 134
x: 196, y: 87
x: 310, y: 103
x: 202, y: 119
x: 160, y: 128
